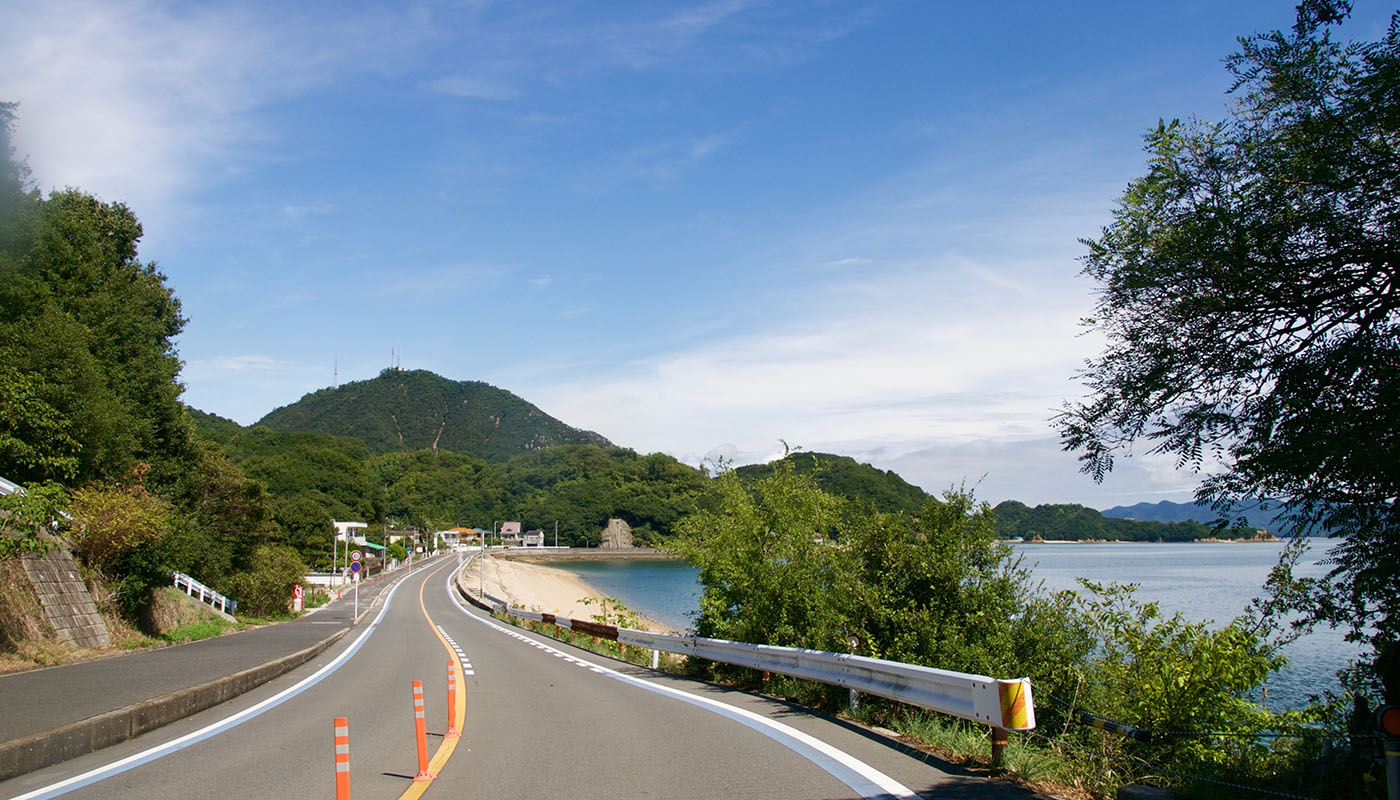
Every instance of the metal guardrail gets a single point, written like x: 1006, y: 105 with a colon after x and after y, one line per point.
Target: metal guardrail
x: 194, y: 588
x: 999, y: 703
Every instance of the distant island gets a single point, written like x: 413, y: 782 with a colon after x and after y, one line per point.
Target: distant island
x: 1076, y: 523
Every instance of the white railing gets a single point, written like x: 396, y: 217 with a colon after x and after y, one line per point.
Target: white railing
x: 999, y: 703
x: 194, y: 588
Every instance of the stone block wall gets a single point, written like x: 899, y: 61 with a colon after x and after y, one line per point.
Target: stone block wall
x: 67, y: 604
x: 617, y: 536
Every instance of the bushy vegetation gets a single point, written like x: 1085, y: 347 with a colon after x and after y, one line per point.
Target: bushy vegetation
x: 265, y: 590
x: 784, y: 562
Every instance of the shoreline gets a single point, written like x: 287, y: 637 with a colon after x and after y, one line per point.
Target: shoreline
x: 537, y: 587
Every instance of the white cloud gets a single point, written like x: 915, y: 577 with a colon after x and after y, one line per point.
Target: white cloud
x: 237, y: 386
x: 140, y: 101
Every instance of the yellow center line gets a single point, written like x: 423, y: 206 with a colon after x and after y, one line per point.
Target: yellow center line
x: 445, y: 749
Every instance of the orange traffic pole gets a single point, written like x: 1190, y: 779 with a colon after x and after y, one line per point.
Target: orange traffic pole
x: 420, y: 729
x: 452, y: 732
x: 342, y: 758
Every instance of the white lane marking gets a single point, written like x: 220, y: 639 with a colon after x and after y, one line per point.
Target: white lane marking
x: 215, y: 728
x: 865, y: 780
x: 467, y: 668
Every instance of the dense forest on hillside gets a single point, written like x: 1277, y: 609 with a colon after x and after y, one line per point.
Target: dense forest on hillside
x: 843, y: 476
x: 406, y: 410
x: 579, y: 487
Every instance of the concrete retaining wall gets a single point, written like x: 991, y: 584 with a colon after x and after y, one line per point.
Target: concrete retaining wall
x: 67, y: 604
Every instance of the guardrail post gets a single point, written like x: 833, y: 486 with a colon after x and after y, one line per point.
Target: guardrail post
x: 420, y: 731
x: 999, y: 742
x: 342, y: 758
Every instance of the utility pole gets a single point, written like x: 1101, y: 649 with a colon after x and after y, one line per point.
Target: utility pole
x: 556, y: 534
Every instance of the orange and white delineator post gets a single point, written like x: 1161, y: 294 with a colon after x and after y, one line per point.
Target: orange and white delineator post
x: 342, y: 758
x: 420, y: 730
x: 452, y: 732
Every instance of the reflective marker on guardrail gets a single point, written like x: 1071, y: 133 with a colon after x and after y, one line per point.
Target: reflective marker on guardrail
x: 1017, y: 709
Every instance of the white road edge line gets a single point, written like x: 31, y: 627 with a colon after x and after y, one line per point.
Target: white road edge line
x: 213, y: 729
x: 865, y: 780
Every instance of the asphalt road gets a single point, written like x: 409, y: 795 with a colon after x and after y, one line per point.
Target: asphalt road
x: 542, y: 720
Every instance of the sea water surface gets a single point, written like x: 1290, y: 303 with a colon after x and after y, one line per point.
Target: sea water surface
x: 1206, y: 581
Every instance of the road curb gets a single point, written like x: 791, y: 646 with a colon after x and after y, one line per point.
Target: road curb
x: 40, y: 750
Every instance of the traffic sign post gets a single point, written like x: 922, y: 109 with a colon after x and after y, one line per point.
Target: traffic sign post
x: 355, y: 569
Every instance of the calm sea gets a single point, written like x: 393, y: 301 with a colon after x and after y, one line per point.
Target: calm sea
x: 1213, y: 581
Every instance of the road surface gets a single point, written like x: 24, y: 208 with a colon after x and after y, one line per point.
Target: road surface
x: 542, y: 720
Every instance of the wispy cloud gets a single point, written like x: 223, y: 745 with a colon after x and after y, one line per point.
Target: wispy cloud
x: 473, y: 88
x: 667, y: 160
x: 236, y: 385
x: 140, y: 101
x: 430, y: 282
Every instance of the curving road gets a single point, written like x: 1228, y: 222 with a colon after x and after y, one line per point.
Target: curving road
x: 542, y: 720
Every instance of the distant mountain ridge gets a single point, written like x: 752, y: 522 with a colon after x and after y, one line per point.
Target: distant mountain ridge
x: 420, y: 410
x: 1167, y: 511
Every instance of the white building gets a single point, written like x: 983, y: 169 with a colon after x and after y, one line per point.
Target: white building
x: 346, y: 532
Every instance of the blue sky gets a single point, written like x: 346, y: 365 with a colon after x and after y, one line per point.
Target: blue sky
x: 697, y: 228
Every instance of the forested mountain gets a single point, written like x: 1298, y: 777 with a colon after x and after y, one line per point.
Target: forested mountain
x: 1069, y: 522
x: 406, y: 410
x: 1166, y: 511
x: 843, y: 476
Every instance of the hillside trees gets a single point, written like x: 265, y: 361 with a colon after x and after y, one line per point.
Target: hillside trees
x: 1072, y: 522
x: 1250, y: 305
x: 89, y: 394
x: 87, y: 336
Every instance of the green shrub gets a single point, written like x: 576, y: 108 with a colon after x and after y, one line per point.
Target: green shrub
x: 266, y: 589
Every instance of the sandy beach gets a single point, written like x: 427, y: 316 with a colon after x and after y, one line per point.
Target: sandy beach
x: 538, y: 588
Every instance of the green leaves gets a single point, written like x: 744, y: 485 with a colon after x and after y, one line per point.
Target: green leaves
x: 1250, y: 307
x: 30, y: 519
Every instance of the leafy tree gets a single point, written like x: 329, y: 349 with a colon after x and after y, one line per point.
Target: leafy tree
x: 304, y: 525
x: 87, y: 336
x: 767, y: 574
x: 1250, y: 306
x: 29, y: 518
x: 265, y: 588
x: 396, y: 551
x: 226, y: 515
